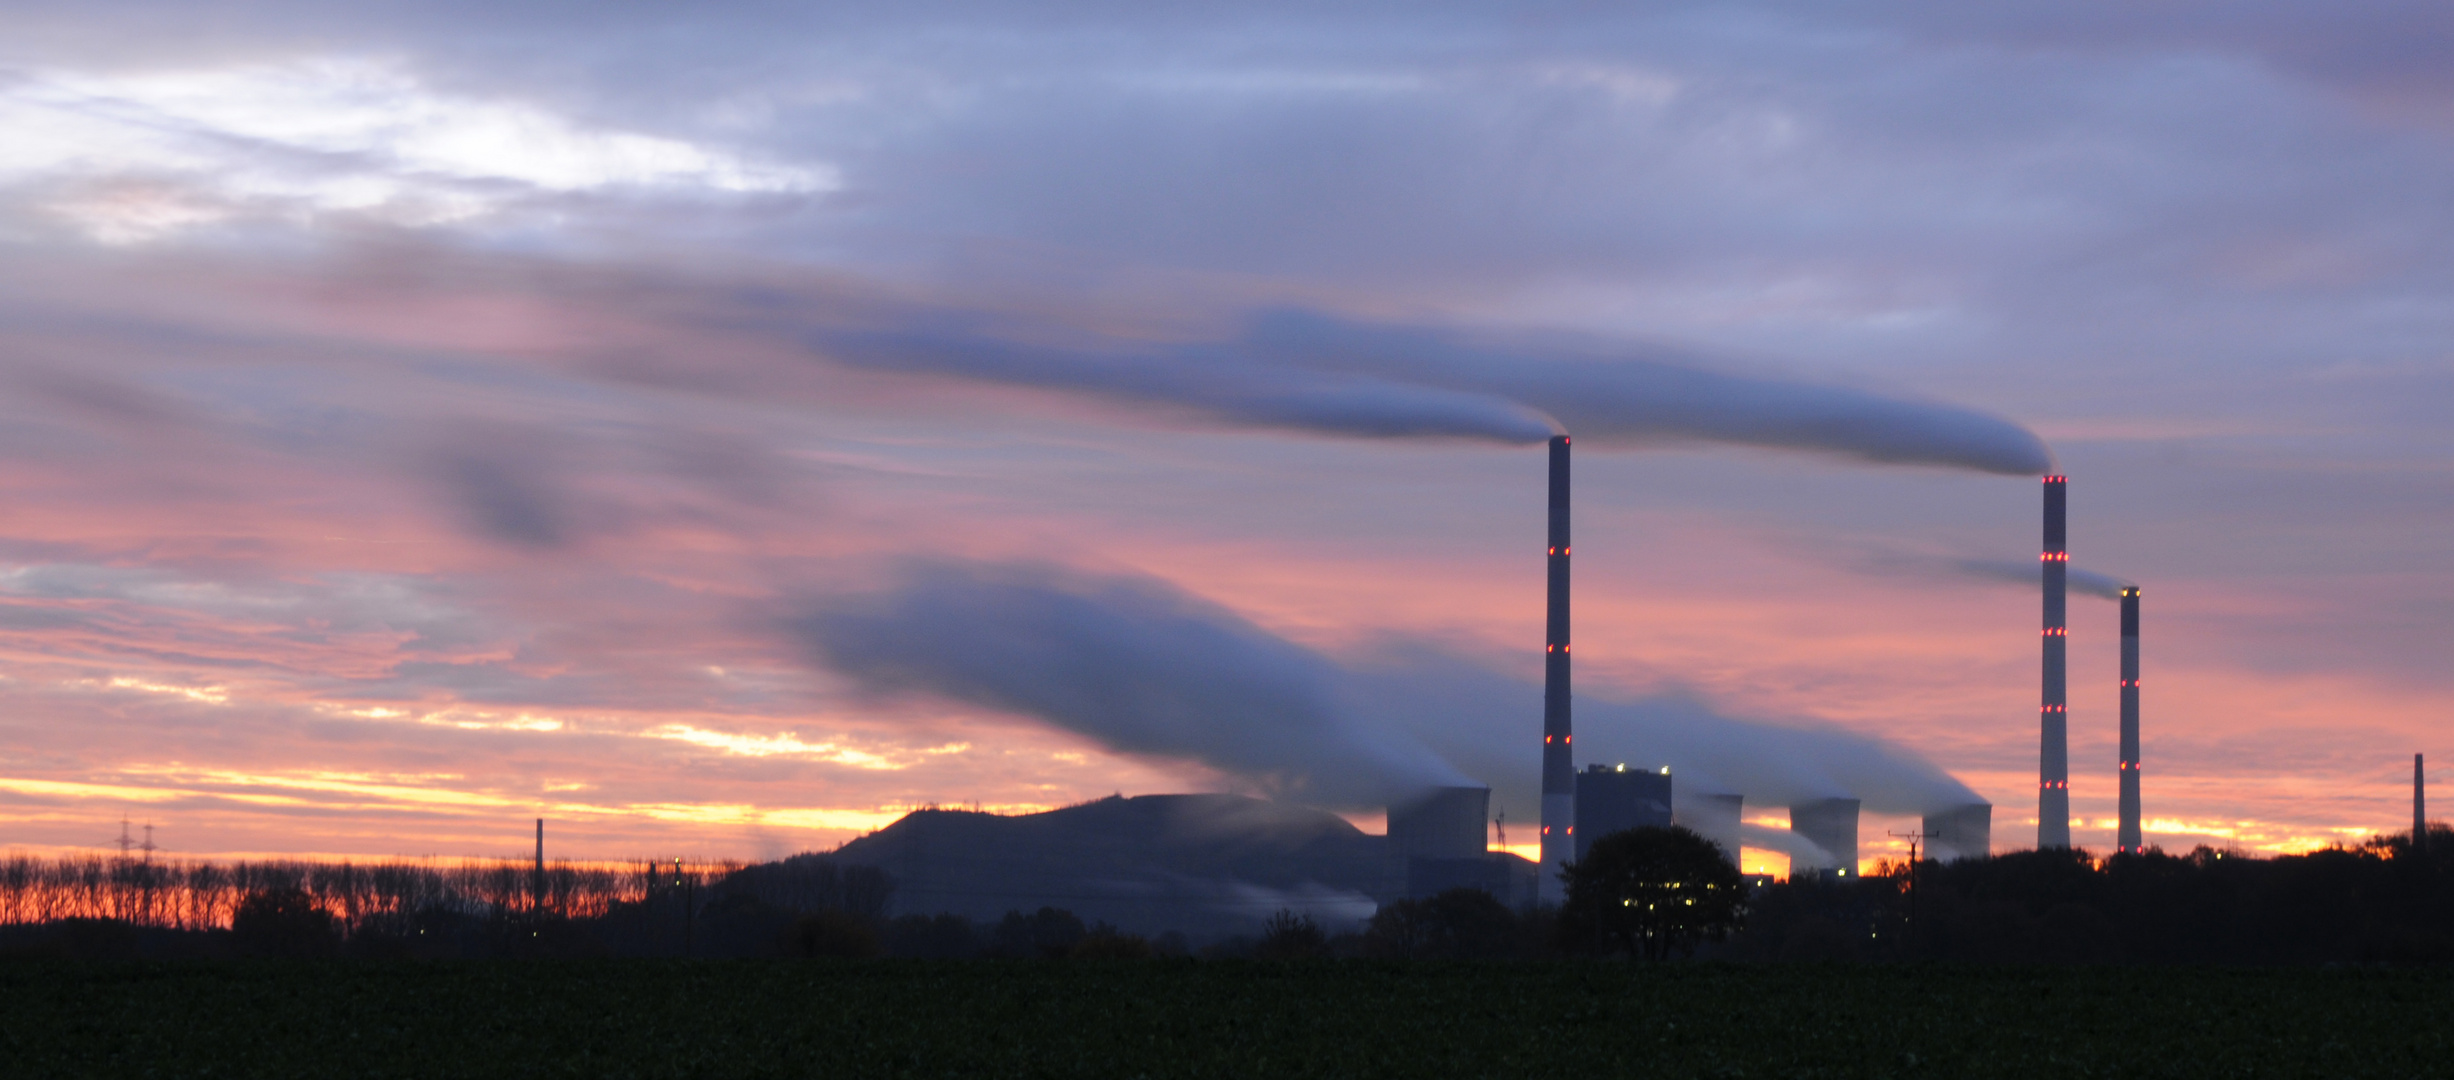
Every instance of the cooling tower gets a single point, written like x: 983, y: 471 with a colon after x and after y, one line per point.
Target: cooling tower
x: 2053, y: 806
x: 1614, y: 799
x: 1558, y: 764
x: 1713, y: 817
x: 1960, y: 832
x: 1830, y: 824
x: 1447, y: 823
x: 2128, y: 839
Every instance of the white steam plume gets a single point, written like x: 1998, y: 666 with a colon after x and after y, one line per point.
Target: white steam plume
x: 1797, y: 847
x: 1146, y: 669
x: 1133, y: 663
x: 1310, y: 372
x: 2026, y: 573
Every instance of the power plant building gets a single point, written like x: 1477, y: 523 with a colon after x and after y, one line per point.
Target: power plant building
x: 1615, y: 799
x: 1829, y: 824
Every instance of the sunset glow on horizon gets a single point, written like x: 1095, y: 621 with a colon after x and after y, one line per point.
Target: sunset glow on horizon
x: 426, y: 420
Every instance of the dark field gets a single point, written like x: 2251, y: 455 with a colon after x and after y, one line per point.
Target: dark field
x: 1211, y: 1018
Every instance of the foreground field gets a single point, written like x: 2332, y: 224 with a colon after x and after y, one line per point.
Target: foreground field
x: 1197, y: 1018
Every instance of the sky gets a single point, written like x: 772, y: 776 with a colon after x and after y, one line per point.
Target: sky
x: 416, y: 419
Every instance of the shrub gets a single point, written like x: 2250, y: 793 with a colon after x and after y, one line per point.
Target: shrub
x: 1459, y: 924
x: 1288, y: 935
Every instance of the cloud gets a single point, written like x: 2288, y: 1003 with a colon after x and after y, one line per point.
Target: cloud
x: 164, y: 151
x: 291, y: 253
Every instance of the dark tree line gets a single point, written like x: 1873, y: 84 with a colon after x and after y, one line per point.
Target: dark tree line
x: 2381, y: 902
x: 103, y: 907
x: 1648, y: 893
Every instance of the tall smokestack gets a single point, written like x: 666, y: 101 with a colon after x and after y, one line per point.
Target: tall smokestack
x: 2419, y: 805
x: 2127, y: 841
x: 2053, y: 802
x: 538, y: 882
x: 1558, y: 765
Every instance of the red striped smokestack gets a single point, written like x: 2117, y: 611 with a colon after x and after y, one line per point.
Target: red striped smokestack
x: 1558, y: 763
x: 2053, y: 802
x: 2128, y: 840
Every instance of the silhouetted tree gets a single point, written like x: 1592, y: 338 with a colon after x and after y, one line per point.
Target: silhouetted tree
x: 283, y: 921
x: 1651, y: 891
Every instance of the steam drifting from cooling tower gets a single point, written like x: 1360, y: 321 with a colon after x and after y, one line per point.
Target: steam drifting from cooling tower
x: 1133, y: 663
x: 1146, y: 669
x: 1802, y: 852
x: 1446, y: 700
x: 1305, y: 371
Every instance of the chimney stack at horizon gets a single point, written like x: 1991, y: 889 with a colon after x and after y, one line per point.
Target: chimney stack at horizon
x: 1558, y: 763
x: 2128, y: 840
x: 2053, y: 812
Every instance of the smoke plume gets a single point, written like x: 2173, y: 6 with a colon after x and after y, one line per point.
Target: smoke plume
x: 2026, y: 573
x: 1135, y: 664
x: 1310, y: 372
x: 1211, y: 381
x: 1147, y: 670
